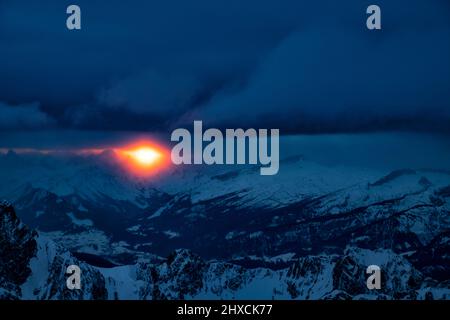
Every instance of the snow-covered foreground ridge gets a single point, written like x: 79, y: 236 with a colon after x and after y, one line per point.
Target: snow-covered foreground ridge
x: 33, y: 267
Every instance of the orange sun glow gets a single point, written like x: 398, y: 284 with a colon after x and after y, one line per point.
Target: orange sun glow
x: 143, y: 158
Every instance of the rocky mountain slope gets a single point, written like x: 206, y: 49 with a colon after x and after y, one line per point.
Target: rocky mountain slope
x: 33, y: 267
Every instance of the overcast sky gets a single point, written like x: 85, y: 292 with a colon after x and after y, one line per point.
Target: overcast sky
x: 301, y: 66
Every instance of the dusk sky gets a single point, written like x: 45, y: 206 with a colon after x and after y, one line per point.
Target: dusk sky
x: 301, y: 66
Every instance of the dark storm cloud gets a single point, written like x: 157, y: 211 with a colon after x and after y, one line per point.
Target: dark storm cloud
x: 305, y: 65
x: 353, y: 85
x: 23, y: 116
x: 335, y: 76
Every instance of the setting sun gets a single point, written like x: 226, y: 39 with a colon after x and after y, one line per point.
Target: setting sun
x: 145, y: 156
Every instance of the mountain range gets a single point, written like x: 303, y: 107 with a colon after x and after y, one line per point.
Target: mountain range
x: 309, y: 232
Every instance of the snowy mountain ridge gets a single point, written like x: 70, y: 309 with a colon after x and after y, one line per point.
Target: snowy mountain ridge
x: 184, y: 275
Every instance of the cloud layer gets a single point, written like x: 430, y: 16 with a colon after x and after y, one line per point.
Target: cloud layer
x: 301, y: 66
x: 23, y: 116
